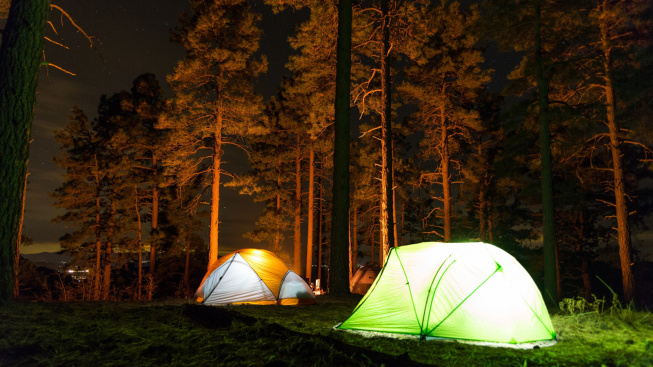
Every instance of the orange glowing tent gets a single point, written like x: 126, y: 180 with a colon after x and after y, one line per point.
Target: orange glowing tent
x: 253, y: 276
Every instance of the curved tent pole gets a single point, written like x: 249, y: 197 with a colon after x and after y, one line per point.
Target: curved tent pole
x: 278, y: 297
x: 498, y: 268
x: 429, y: 305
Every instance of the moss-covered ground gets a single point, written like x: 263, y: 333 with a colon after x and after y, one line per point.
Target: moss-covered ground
x: 180, y: 333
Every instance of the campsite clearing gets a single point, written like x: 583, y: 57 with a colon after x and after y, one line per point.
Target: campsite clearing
x: 183, y: 333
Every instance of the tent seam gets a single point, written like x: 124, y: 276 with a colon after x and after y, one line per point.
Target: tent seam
x: 220, y: 279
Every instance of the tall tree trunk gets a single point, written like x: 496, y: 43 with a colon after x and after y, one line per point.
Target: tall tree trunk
x: 354, y: 236
x: 550, y: 266
x: 297, y: 251
x: 98, y: 233
x: 18, y: 243
x: 215, y: 191
x: 139, y: 238
x: 446, y: 182
x: 311, y: 210
x: 319, y: 225
x: 482, y: 198
x: 20, y: 53
x: 277, y: 233
x: 623, y: 229
x: 339, y: 273
x: 154, y: 229
x: 187, y: 263
x: 106, y: 276
x: 386, y: 216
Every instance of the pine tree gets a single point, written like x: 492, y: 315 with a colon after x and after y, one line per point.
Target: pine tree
x: 444, y: 84
x: 81, y: 194
x: 214, y: 103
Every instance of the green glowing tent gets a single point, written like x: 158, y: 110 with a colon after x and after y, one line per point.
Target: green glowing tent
x: 471, y: 291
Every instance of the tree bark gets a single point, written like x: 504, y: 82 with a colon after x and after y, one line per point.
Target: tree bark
x: 215, y: 191
x: 548, y: 239
x: 446, y: 183
x: 623, y: 229
x: 98, y: 232
x: 18, y: 243
x: 108, y: 250
x: 20, y: 53
x: 154, y: 230
x: 311, y: 210
x: 297, y: 253
x: 139, y: 239
x: 339, y: 273
x: 387, y: 211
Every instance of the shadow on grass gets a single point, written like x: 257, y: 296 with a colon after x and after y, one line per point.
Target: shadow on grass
x: 303, y: 348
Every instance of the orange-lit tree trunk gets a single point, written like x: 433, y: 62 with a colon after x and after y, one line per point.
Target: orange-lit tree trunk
x: 154, y: 229
x: 139, y: 239
x: 108, y: 250
x: 387, y: 211
x: 215, y: 190
x: 444, y: 171
x: 311, y: 210
x: 98, y: 237
x: 320, y: 210
x: 18, y: 243
x: 297, y: 249
x: 20, y: 53
x: 623, y: 230
x: 277, y: 233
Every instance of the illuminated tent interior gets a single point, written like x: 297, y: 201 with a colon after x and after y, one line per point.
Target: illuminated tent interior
x: 253, y: 276
x: 362, y: 280
x: 469, y: 291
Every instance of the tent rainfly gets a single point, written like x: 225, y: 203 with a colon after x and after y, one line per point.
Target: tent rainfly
x: 252, y: 276
x: 470, y: 291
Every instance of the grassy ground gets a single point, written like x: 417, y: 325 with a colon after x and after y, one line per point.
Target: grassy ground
x: 182, y: 333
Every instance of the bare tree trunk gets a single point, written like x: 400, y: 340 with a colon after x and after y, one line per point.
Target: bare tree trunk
x: 623, y: 228
x: 18, y: 243
x: 354, y: 236
x: 386, y: 215
x: 311, y: 209
x: 446, y: 182
x: 106, y: 277
x: 215, y: 192
x: 20, y: 53
x: 338, y: 273
x: 297, y: 253
x: 550, y: 265
x: 98, y: 237
x: 154, y: 230
x: 319, y: 226
x: 140, y: 245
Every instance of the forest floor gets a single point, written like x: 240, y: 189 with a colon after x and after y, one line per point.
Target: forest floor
x: 183, y: 333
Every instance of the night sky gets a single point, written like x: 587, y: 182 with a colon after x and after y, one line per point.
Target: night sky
x: 132, y: 38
